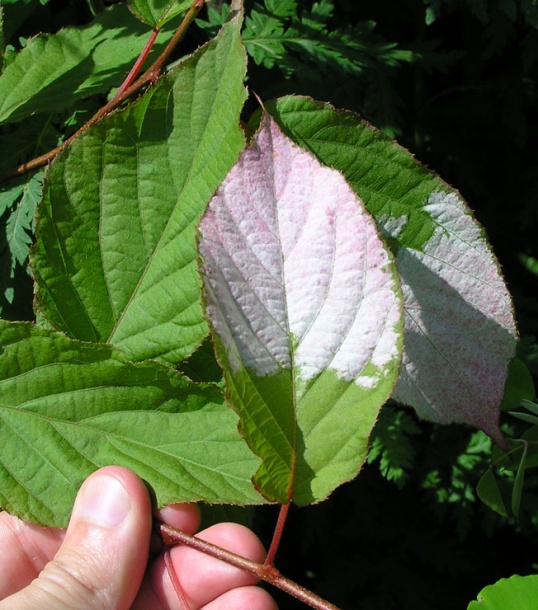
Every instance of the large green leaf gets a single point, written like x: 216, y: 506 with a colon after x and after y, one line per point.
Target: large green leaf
x: 68, y: 408
x: 53, y: 71
x: 460, y: 332
x: 514, y: 593
x: 304, y: 303
x: 115, y: 254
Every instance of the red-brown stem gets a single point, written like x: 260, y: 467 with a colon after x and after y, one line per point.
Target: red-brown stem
x: 149, y: 76
x: 156, y: 67
x: 138, y: 63
x: 268, y: 573
x: 277, y: 536
x: 175, y: 581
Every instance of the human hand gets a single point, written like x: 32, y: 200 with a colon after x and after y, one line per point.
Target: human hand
x: 100, y: 562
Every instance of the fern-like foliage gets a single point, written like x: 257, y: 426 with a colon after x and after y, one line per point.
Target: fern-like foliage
x: 19, y: 226
x: 278, y: 33
x: 392, y: 444
x: 302, y: 44
x: 19, y: 143
x: 17, y: 211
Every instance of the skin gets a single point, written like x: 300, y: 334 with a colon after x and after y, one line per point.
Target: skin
x: 100, y: 561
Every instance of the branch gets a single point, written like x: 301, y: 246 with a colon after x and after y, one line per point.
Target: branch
x: 265, y: 572
x: 138, y: 63
x: 149, y: 77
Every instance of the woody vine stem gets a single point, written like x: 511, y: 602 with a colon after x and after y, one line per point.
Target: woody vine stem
x: 126, y: 90
x: 171, y: 536
x: 266, y: 571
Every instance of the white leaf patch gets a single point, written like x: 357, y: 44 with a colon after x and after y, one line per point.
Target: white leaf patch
x: 459, y: 326
x: 296, y: 275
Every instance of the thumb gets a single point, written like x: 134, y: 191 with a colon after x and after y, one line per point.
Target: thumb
x: 101, y: 562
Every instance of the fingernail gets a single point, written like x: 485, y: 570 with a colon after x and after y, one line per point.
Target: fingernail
x: 103, y: 500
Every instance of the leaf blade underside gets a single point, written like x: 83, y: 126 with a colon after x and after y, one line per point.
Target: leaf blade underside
x: 305, y: 308
x: 460, y: 332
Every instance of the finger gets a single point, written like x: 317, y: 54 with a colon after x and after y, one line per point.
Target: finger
x: 184, y: 517
x: 26, y: 549
x: 202, y: 578
x: 102, y: 559
x: 243, y: 598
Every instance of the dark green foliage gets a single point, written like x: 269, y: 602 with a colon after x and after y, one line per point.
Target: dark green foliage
x: 307, y: 52
x: 392, y: 445
x: 17, y: 207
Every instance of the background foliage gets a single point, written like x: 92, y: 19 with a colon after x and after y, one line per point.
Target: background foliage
x: 456, y: 82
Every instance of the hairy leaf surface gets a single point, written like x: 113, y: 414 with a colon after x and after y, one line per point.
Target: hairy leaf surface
x: 460, y: 332
x: 68, y: 408
x: 115, y: 254
x: 304, y: 303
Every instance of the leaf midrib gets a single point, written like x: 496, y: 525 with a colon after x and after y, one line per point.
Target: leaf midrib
x: 154, y: 254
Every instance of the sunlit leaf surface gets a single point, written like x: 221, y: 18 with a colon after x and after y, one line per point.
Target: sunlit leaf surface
x: 304, y: 302
x: 460, y: 332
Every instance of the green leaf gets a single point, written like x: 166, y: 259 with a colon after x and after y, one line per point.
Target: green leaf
x: 115, y: 259
x: 68, y: 408
x: 460, y: 332
x: 509, y: 460
x: 531, y: 438
x: 392, y: 445
x: 17, y: 206
x: 54, y: 71
x: 530, y: 406
x: 530, y: 419
x: 19, y: 226
x: 276, y: 28
x: 529, y: 262
x: 514, y: 593
x: 9, y: 195
x: 157, y: 12
x: 518, y: 482
x: 519, y: 385
x: 306, y: 315
x: 488, y: 491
